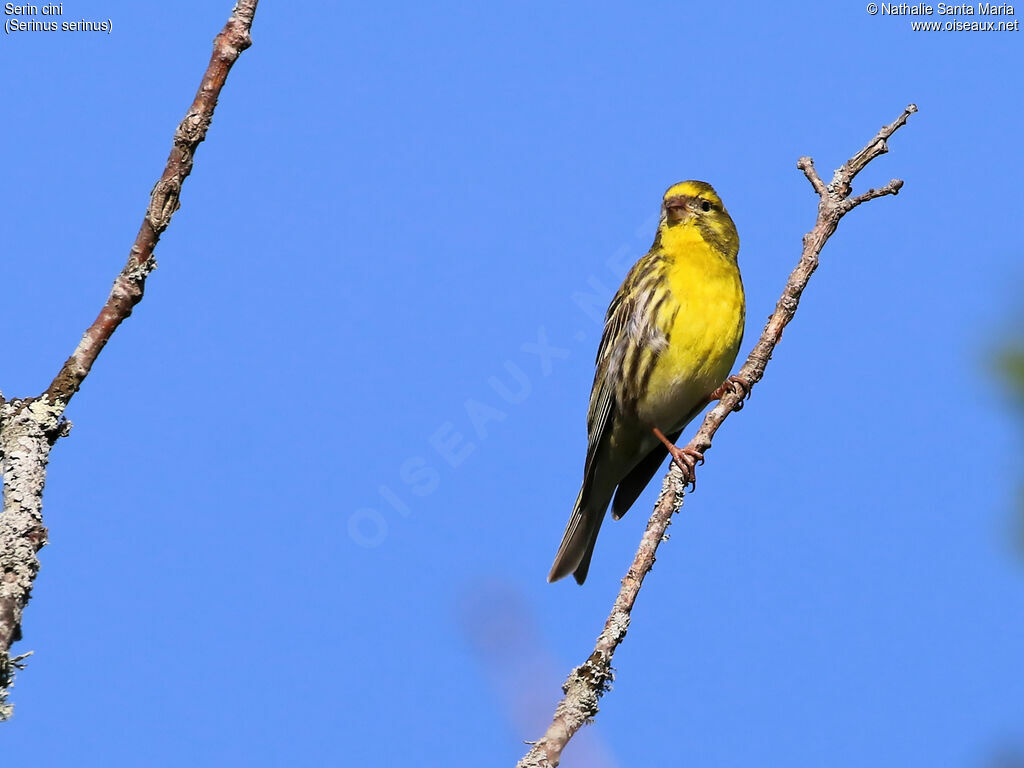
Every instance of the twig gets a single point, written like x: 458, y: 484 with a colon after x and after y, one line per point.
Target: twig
x: 588, y: 682
x: 30, y: 426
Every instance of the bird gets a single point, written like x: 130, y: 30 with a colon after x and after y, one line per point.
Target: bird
x: 671, y: 336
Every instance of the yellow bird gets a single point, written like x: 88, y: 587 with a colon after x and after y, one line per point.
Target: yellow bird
x: 670, y: 339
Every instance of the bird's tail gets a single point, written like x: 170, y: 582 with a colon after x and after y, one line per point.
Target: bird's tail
x: 577, y: 545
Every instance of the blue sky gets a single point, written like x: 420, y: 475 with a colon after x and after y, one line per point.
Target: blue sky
x: 299, y: 522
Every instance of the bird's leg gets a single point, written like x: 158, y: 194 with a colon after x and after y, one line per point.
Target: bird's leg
x: 736, y: 385
x: 685, y: 458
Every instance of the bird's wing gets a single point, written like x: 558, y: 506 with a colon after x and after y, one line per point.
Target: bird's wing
x: 628, y: 326
x: 585, y: 521
x: 600, y: 415
x: 627, y: 334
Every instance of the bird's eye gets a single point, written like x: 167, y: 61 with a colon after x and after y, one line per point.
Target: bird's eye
x: 705, y: 206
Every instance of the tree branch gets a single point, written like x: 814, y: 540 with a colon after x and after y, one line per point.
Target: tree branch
x: 163, y: 202
x: 30, y: 426
x: 24, y: 451
x: 588, y: 682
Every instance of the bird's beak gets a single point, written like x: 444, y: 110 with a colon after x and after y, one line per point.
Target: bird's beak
x: 677, y: 208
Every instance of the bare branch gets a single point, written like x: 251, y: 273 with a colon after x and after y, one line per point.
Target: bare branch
x: 29, y: 427
x: 892, y: 188
x: 806, y: 165
x: 163, y: 202
x: 588, y: 682
x: 877, y: 146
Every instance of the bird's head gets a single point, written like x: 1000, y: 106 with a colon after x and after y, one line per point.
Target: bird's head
x: 695, y: 204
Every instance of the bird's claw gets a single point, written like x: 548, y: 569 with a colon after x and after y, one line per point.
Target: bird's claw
x: 736, y: 385
x: 687, y: 460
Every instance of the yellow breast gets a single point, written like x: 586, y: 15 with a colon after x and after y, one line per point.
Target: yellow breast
x: 704, y: 325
